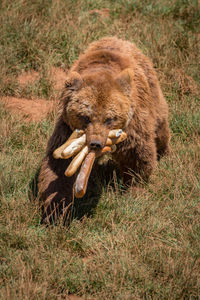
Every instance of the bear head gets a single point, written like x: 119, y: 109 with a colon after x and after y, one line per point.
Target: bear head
x: 98, y: 101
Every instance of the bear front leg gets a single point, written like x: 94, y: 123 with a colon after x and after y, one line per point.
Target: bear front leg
x: 55, y: 191
x: 138, y: 163
x: 163, y: 138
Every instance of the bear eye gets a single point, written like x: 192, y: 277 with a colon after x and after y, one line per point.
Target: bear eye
x: 85, y: 119
x: 108, y: 121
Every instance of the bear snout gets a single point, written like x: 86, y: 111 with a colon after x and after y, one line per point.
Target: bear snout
x: 96, y: 136
x: 96, y: 142
x: 96, y: 145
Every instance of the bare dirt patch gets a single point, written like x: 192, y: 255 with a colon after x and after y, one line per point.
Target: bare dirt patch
x: 30, y: 110
x: 28, y: 77
x: 35, y: 109
x: 58, y: 76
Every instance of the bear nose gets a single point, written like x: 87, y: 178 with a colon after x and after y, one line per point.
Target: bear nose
x: 96, y: 145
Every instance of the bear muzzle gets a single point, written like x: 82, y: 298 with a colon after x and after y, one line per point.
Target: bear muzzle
x: 96, y: 145
x: 96, y: 142
x: 96, y: 137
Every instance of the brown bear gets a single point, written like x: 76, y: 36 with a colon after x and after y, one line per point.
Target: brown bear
x: 111, y: 86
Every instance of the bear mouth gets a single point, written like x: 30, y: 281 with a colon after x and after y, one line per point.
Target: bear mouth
x: 84, y: 155
x: 78, y: 140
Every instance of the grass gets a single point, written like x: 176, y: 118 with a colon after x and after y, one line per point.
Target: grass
x: 143, y: 246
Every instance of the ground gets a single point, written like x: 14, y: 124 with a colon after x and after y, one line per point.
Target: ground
x: 34, y: 109
x: 145, y: 246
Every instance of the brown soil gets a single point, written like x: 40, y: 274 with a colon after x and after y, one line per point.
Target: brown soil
x: 37, y: 109
x: 28, y: 77
x: 30, y: 110
x: 58, y: 77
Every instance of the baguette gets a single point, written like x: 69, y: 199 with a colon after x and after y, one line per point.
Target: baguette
x: 115, y: 133
x: 75, y: 134
x: 76, y: 162
x: 74, y: 147
x: 119, y: 139
x: 109, y: 142
x: 106, y: 149
x: 83, y: 176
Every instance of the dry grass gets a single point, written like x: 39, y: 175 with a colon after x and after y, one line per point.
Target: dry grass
x: 143, y: 246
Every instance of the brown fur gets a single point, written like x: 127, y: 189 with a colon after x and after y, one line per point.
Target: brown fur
x: 112, y: 85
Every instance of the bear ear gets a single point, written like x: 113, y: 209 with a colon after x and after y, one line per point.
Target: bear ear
x: 73, y: 82
x: 125, y: 79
